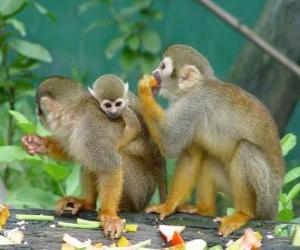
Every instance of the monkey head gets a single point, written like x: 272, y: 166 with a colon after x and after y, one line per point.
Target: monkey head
x: 111, y: 93
x: 179, y: 71
x: 55, y: 95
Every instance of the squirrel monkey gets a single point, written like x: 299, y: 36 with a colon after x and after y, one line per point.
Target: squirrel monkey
x: 124, y: 181
x: 225, y: 139
x: 115, y: 101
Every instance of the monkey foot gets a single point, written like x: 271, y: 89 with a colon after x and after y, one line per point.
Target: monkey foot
x: 163, y: 209
x: 188, y: 209
x: 199, y: 209
x: 231, y: 223
x: 34, y: 144
x: 70, y: 203
x: 112, y: 225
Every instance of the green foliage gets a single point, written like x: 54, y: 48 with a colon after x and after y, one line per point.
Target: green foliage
x: 291, y: 188
x: 137, y: 43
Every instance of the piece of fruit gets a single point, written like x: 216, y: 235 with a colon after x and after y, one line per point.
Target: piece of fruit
x: 131, y: 228
x: 152, y: 82
x: 176, y: 239
x: 167, y: 231
x: 4, y: 214
x: 123, y: 242
x: 196, y: 245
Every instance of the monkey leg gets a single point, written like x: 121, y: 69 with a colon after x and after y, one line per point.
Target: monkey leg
x: 110, y: 190
x: 183, y: 181
x: 127, y: 136
x: 243, y: 192
x: 88, y: 202
x: 206, y: 191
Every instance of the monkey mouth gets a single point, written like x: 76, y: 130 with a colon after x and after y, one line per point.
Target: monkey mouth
x: 157, y: 87
x: 112, y: 116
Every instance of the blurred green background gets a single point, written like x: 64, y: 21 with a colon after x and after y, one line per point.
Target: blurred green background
x: 88, y: 38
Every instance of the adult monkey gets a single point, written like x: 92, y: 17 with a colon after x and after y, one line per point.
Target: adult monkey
x: 125, y: 180
x: 225, y: 138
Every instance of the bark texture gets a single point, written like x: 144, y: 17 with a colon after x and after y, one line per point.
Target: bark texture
x: 260, y: 74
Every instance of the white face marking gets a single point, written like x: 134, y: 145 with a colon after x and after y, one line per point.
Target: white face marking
x: 113, y: 108
x: 166, y: 67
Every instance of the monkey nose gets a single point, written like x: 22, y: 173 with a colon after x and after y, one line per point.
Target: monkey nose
x: 113, y: 115
x: 157, y: 77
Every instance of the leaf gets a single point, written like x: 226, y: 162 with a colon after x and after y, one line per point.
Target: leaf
x: 44, y: 11
x: 18, y: 25
x: 31, y: 50
x: 151, y: 41
x: 20, y: 118
x: 86, y: 6
x: 56, y: 171
x: 148, y: 62
x: 285, y: 215
x: 14, y: 153
x: 133, y: 42
x: 295, y: 190
x: 142, y: 4
x: 23, y: 123
x: 1, y: 56
x: 8, y: 7
x: 128, y: 59
x: 33, y: 197
x: 114, y: 46
x: 41, y: 131
x: 292, y: 175
x: 288, y: 142
x: 72, y: 183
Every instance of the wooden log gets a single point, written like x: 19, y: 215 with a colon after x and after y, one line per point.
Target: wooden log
x: 40, y: 235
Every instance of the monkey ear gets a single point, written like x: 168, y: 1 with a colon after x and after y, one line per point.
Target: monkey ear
x: 92, y: 92
x: 126, y: 89
x: 46, y: 104
x: 189, y: 76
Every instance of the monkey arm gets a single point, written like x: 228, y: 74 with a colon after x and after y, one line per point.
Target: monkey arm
x: 132, y: 127
x: 54, y: 149
x: 153, y: 114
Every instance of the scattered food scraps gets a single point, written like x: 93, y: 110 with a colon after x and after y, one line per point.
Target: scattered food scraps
x: 15, y: 235
x: 4, y: 214
x: 249, y: 241
x: 296, y: 238
x: 123, y: 242
x: 75, y: 242
x: 196, y: 245
x: 167, y: 231
x: 35, y: 217
x: 177, y: 239
x: 131, y: 228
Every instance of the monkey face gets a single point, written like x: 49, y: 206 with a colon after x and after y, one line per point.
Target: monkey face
x: 165, y: 77
x: 113, y: 108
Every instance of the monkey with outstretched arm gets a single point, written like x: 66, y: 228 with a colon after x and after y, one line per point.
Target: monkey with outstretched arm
x: 224, y: 138
x: 81, y: 132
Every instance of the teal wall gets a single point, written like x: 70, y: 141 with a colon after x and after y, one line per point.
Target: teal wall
x: 184, y: 22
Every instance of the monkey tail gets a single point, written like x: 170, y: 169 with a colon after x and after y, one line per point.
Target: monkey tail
x: 267, y: 186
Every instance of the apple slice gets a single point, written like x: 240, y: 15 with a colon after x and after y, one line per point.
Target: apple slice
x: 167, y: 231
x: 176, y: 239
x: 196, y: 245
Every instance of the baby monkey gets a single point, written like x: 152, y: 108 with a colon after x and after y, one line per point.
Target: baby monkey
x: 115, y: 101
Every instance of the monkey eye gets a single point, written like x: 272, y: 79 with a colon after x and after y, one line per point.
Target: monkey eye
x: 118, y: 104
x: 163, y: 66
x: 107, y: 105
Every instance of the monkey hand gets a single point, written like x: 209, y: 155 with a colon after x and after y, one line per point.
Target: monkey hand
x: 34, y: 144
x: 72, y: 204
x: 112, y: 225
x: 164, y: 210
x: 144, y: 86
x: 231, y: 223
